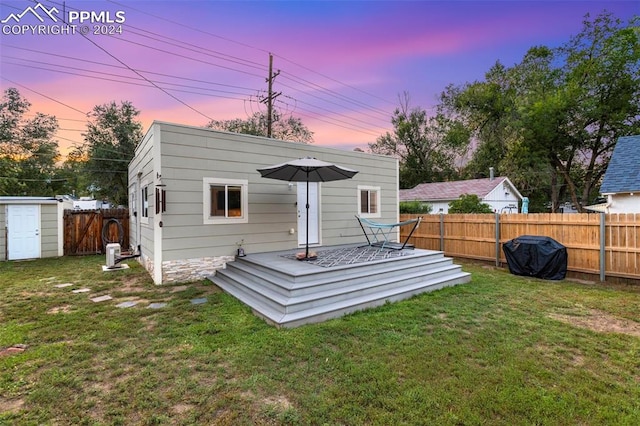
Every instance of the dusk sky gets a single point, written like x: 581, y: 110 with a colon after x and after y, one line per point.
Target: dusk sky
x: 342, y: 64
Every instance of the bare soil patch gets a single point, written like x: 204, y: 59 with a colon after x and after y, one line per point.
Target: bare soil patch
x: 600, y: 322
x: 182, y: 408
x: 134, y: 284
x: 65, y: 309
x: 10, y: 405
x: 279, y: 402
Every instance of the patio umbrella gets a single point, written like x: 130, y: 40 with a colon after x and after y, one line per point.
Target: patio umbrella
x: 307, y: 170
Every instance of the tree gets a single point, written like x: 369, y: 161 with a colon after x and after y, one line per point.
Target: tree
x: 486, y: 110
x: 109, y: 146
x: 469, y: 203
x: 28, y: 153
x: 426, y: 147
x: 287, y: 129
x: 75, y: 180
x: 550, y: 122
x: 602, y: 84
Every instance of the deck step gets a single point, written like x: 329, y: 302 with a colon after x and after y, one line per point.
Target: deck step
x: 290, y: 294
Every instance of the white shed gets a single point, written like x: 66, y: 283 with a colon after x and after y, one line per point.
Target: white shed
x: 33, y: 227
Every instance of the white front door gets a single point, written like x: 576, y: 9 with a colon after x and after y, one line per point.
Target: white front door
x: 23, y: 232
x: 314, y: 213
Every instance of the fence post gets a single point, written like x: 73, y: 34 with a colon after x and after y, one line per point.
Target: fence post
x: 602, y: 247
x: 497, y: 240
x: 442, y: 232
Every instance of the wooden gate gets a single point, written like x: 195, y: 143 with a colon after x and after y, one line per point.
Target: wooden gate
x: 89, y: 231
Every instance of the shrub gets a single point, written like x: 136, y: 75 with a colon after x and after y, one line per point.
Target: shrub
x: 468, y: 203
x: 415, y: 207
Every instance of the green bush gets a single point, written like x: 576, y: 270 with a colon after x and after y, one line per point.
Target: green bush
x: 415, y: 207
x: 468, y: 203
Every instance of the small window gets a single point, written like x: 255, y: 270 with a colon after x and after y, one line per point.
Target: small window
x: 144, y: 198
x: 225, y: 201
x: 369, y: 201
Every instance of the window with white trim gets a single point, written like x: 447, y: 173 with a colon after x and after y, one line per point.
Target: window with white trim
x: 144, y: 199
x: 225, y: 201
x: 368, y: 201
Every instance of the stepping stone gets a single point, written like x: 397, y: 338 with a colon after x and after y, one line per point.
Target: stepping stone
x: 63, y: 285
x: 199, y: 301
x: 15, y: 349
x: 179, y: 288
x: 101, y: 298
x: 81, y: 290
x: 129, y: 304
x: 157, y: 305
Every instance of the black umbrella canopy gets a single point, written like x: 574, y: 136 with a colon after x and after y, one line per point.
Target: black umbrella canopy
x: 307, y: 170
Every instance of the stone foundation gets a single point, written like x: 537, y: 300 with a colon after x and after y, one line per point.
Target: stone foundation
x: 186, y: 270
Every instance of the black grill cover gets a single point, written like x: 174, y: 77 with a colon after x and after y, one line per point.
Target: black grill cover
x: 534, y: 256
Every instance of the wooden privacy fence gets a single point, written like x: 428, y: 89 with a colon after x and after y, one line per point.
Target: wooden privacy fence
x: 597, y: 243
x: 89, y: 231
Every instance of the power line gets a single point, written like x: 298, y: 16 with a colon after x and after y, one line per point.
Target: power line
x: 85, y: 61
x: 188, y: 27
x: 337, y: 81
x: 233, y: 59
x: 137, y: 73
x: 43, y: 95
x: 292, y: 76
x: 197, y: 49
x: 335, y: 122
x: 113, y: 75
x: 182, y: 56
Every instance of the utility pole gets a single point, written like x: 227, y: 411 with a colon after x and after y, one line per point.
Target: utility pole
x: 270, y: 96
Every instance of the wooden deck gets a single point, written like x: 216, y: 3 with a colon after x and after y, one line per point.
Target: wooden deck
x: 288, y: 292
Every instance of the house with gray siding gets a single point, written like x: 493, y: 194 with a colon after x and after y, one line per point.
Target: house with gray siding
x: 196, y: 198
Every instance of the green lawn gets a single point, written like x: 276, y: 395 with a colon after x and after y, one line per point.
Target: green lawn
x: 501, y: 350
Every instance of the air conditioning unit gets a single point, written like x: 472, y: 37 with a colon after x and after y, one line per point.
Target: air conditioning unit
x: 113, y: 254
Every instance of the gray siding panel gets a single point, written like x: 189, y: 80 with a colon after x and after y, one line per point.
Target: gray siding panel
x: 49, y: 230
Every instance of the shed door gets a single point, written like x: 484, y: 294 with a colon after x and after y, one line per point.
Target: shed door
x: 314, y: 209
x: 23, y: 232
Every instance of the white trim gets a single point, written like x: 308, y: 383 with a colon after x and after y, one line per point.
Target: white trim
x: 144, y: 218
x: 60, y: 228
x: 206, y: 201
x: 369, y: 188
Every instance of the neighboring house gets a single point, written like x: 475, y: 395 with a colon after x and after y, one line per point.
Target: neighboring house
x: 32, y: 227
x: 88, y: 203
x: 621, y: 182
x: 196, y: 197
x: 498, y: 192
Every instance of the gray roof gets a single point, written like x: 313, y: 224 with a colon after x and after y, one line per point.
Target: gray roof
x: 448, y: 191
x: 623, y: 172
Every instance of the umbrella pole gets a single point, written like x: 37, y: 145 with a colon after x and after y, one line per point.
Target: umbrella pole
x: 306, y: 253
